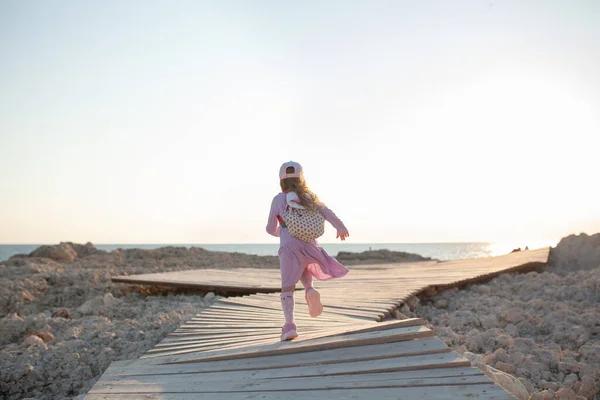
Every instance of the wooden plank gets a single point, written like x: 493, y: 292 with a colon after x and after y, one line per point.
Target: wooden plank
x: 480, y: 391
x: 217, y: 330
x: 326, y: 343
x: 178, y: 350
x: 267, y: 318
x: 203, y: 344
x: 234, y: 313
x: 264, y: 324
x: 357, y: 328
x: 240, y: 338
x: 214, y: 333
x: 390, y: 364
x: 338, y: 302
x: 341, y: 355
x: 205, y: 337
x: 210, y: 347
x: 187, y: 384
x: 275, y: 306
x: 300, y: 315
x: 187, y: 350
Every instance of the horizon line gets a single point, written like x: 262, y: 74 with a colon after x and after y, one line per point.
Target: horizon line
x: 238, y: 243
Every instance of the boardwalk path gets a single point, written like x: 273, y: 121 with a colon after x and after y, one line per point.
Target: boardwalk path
x: 230, y: 350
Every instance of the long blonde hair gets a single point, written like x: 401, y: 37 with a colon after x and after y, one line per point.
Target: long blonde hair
x: 298, y: 185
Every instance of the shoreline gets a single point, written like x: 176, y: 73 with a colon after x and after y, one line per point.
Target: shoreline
x: 441, y: 251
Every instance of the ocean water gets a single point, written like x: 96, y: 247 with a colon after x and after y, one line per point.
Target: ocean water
x: 440, y: 251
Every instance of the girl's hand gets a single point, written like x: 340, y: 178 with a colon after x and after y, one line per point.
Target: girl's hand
x: 342, y: 235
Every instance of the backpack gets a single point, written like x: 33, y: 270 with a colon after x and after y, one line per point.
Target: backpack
x: 303, y: 223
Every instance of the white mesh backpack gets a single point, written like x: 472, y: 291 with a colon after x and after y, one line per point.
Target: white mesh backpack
x: 302, y: 223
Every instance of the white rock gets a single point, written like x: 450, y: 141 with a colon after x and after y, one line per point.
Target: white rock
x: 441, y: 303
x: 511, y: 330
x: 85, y: 308
x: 505, y: 367
x: 461, y: 349
x: 111, y: 301
x: 570, y: 379
x: 573, y: 367
x: 209, y: 296
x: 413, y: 302
x: 508, y: 382
x: 475, y: 359
x: 591, y: 351
x: 404, y: 309
x: 512, y: 315
x: 33, y: 340
x: 543, y: 395
x: 505, y: 341
x: 550, y: 386
x: 576, y: 252
x: 398, y: 315
x: 98, y: 302
x: 489, y: 359
x: 488, y: 321
x: 589, y: 387
x: 566, y: 394
x: 484, y: 290
x: 501, y: 355
x: 517, y: 358
x: 528, y: 385
x: 524, y: 345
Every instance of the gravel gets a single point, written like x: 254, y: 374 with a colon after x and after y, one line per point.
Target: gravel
x: 542, y: 328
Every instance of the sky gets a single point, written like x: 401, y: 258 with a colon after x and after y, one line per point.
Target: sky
x: 167, y: 122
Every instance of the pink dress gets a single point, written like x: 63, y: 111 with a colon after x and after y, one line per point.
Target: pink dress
x: 295, y: 255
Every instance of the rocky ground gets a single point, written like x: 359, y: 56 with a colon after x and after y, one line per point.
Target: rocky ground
x: 542, y: 328
x: 378, y: 257
x: 62, y: 321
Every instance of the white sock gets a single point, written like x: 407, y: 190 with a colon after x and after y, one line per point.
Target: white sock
x: 287, y: 304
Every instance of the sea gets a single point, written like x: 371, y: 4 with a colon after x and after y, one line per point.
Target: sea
x: 440, y: 251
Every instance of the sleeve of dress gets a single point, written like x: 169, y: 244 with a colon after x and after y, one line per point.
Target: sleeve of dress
x: 332, y: 218
x: 272, y: 223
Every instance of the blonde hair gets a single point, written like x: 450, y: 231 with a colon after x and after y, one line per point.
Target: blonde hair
x: 298, y: 185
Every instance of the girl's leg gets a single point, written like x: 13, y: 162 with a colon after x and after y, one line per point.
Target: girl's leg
x: 287, y: 303
x: 288, y: 332
x: 307, y: 280
x: 313, y: 298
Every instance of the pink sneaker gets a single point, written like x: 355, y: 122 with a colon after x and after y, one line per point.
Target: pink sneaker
x: 288, y: 332
x: 313, y: 298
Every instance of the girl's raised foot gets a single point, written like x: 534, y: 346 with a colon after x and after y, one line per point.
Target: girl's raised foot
x: 313, y: 299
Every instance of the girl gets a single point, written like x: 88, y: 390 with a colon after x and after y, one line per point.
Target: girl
x: 301, y: 260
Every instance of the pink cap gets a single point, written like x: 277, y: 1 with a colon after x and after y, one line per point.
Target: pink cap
x: 295, y: 174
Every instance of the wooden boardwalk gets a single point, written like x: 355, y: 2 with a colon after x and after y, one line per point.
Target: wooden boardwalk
x: 231, y: 349
x: 419, y: 274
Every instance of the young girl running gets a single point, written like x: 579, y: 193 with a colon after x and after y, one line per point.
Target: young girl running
x: 300, y: 260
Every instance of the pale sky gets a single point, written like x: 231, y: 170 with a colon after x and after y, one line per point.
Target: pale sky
x: 415, y: 121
